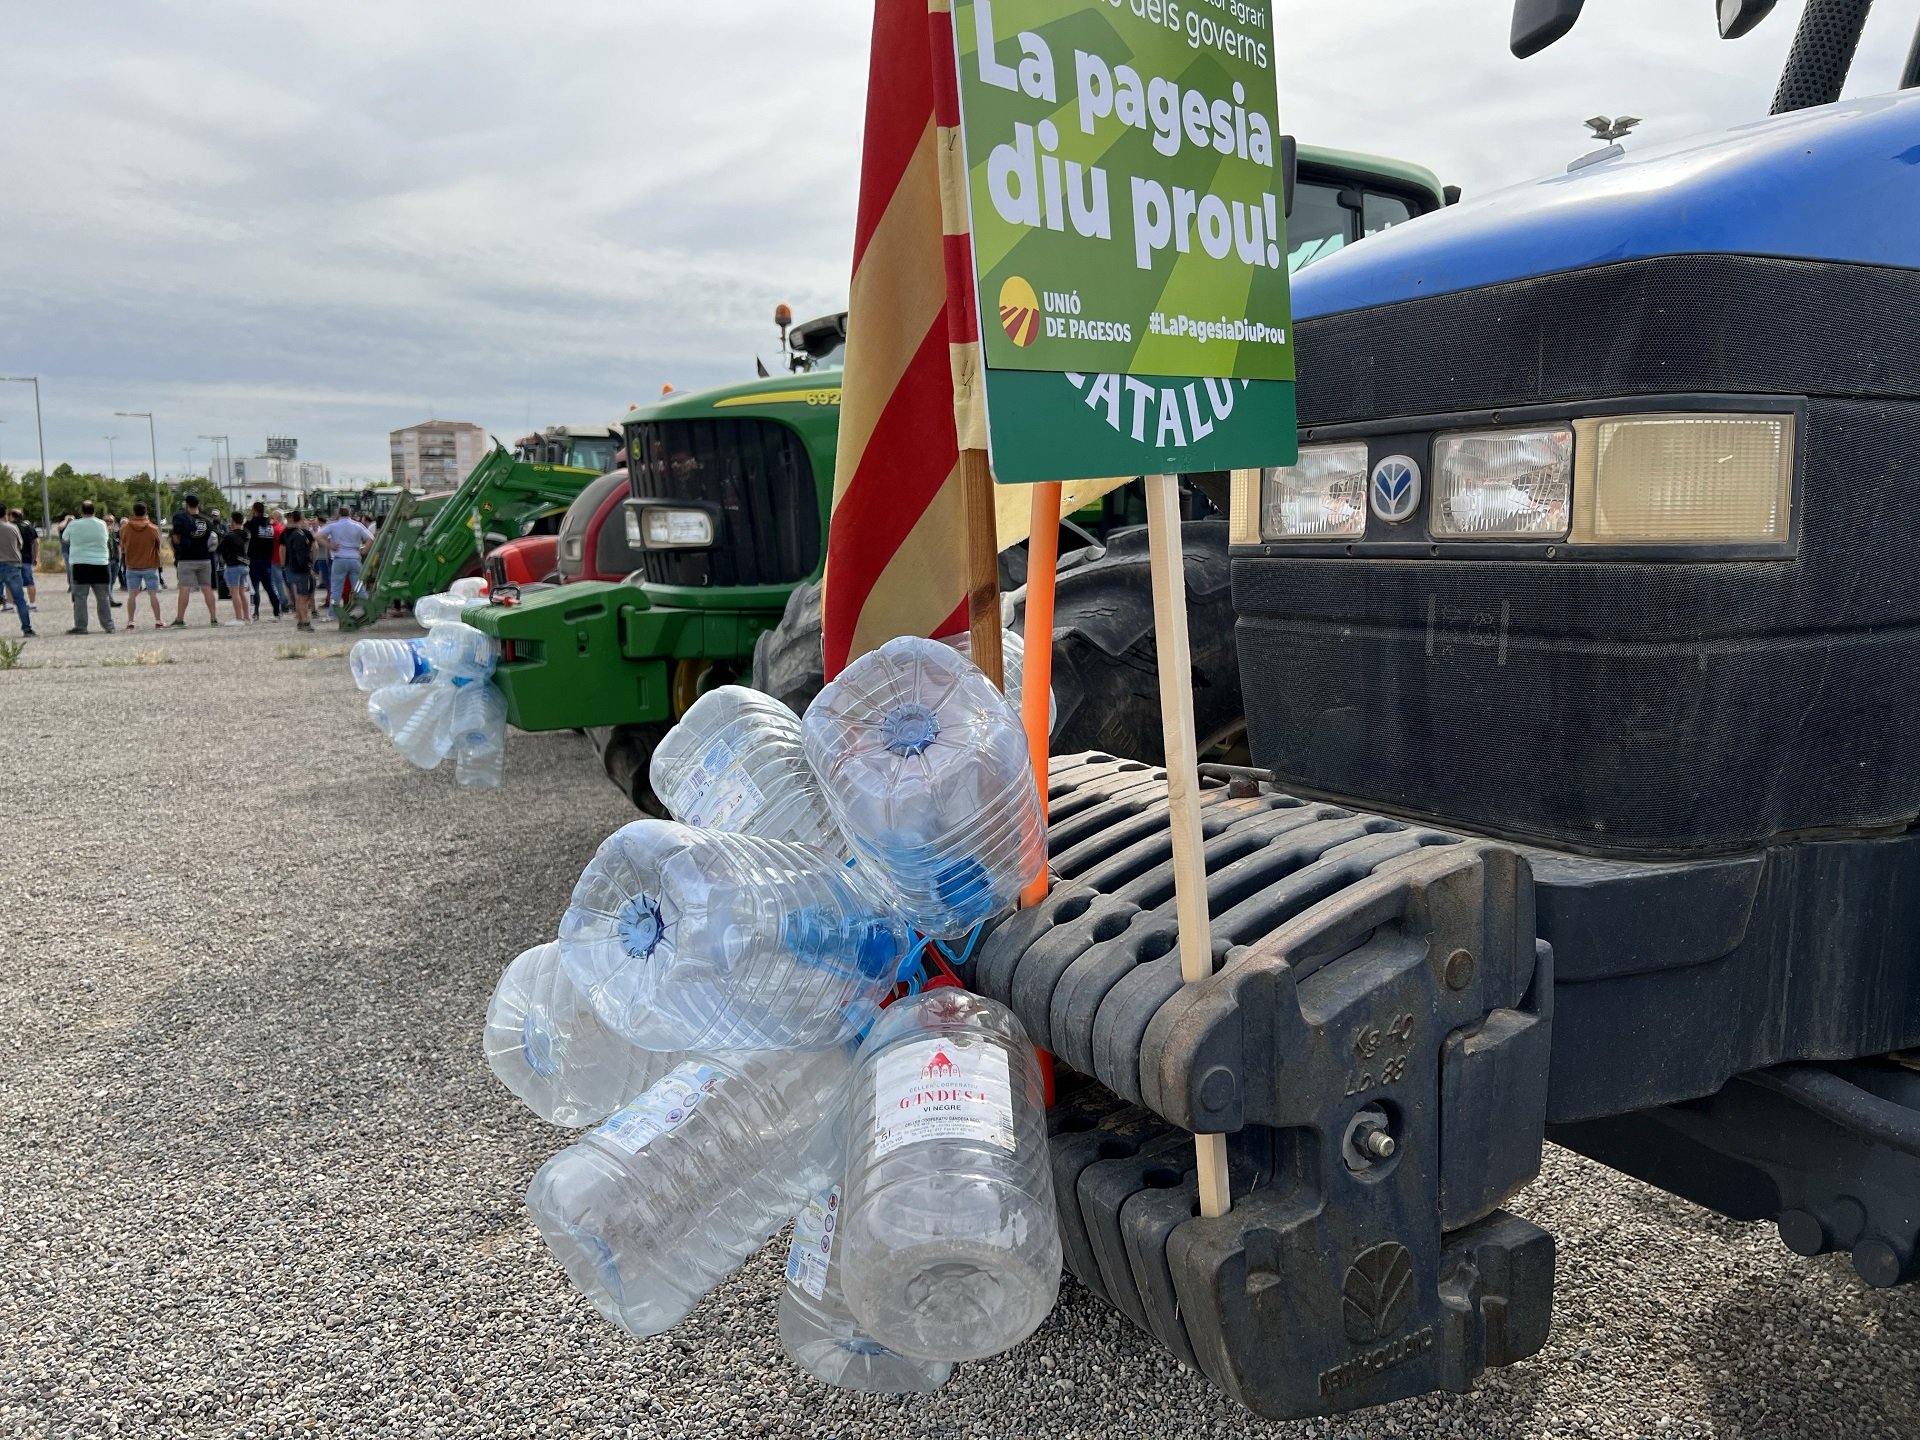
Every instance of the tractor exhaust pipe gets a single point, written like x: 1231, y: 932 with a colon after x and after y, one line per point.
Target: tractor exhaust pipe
x: 1822, y: 54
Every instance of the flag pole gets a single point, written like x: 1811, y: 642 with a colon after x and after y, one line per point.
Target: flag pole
x: 1169, y: 569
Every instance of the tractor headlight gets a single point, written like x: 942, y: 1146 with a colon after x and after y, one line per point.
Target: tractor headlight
x: 1682, y: 479
x: 668, y: 527
x: 1323, y: 496
x: 1502, y: 484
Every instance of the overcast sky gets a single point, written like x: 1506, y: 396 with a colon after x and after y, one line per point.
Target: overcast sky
x: 331, y: 219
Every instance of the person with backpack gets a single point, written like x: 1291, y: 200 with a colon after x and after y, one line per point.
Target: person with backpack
x: 296, y: 550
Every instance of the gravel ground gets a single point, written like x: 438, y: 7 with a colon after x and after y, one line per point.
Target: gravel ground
x: 260, y: 1181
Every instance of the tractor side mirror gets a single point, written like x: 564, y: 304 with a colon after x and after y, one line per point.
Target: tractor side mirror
x: 1538, y: 23
x: 1737, y: 17
x: 1289, y: 171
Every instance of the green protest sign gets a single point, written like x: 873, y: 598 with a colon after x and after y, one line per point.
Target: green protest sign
x: 1124, y: 187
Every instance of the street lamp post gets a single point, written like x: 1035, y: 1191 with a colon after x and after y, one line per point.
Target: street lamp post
x: 153, y: 455
x: 218, y: 441
x: 113, y: 467
x: 46, y: 509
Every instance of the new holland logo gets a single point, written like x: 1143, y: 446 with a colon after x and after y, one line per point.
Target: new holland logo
x: 1378, y: 1292
x: 1396, y: 488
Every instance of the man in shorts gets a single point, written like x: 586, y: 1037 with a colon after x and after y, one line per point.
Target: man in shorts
x: 140, y: 550
x: 296, y: 563
x: 194, y: 536
x: 346, y: 540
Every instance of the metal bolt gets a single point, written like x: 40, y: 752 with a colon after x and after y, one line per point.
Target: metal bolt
x: 1459, y: 970
x: 1378, y: 1144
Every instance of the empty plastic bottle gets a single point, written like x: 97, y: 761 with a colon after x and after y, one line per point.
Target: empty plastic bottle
x: 425, y: 735
x: 431, y: 610
x: 734, y: 762
x: 925, y: 767
x: 379, y: 663
x: 459, y: 653
x: 392, y: 706
x: 673, y: 1192
x: 950, y: 1246
x: 818, y: 1331
x: 479, y: 724
x: 690, y: 939
x: 546, y: 1045
x: 469, y: 587
x: 1013, y: 661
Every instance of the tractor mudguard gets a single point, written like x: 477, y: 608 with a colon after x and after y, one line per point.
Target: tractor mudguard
x: 1375, y: 1045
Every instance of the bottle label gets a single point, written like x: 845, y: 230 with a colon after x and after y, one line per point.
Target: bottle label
x: 812, y: 1247
x: 939, y: 1090
x: 717, y: 794
x: 661, y: 1109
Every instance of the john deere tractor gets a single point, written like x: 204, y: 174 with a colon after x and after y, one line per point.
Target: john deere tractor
x: 1579, y: 654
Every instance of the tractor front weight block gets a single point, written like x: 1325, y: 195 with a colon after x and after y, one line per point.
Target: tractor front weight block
x: 1374, y: 1043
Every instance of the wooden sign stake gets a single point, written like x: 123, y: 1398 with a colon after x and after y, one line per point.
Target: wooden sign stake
x: 1036, y: 679
x: 983, y: 565
x: 1168, y: 563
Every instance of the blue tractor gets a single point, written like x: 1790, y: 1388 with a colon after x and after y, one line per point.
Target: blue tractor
x: 1578, y: 652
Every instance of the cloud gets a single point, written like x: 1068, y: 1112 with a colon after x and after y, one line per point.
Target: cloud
x: 329, y: 220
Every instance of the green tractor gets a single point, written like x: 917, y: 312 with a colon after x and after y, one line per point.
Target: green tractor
x: 720, y: 539
x: 426, y: 542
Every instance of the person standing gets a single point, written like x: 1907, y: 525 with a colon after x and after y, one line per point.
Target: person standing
x: 12, y: 582
x: 140, y: 550
x: 278, y: 570
x: 29, y: 553
x: 89, y: 568
x: 296, y: 563
x: 233, y: 562
x: 193, y: 541
x: 260, y: 548
x: 345, y: 538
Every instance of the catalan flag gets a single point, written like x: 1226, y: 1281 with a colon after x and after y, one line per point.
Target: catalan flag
x: 896, y: 552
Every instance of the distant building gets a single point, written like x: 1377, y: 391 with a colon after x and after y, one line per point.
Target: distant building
x: 283, y: 447
x: 275, y: 481
x: 436, y: 455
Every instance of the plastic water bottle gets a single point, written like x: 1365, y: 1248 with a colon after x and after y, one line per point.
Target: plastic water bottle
x: 926, y: 769
x: 432, y: 610
x: 425, y: 735
x: 545, y: 1044
x: 673, y: 1192
x: 951, y: 1245
x: 469, y: 588
x: 690, y: 939
x: 479, y: 724
x: 378, y: 663
x: 392, y: 706
x: 818, y: 1331
x: 734, y: 762
x: 459, y: 653
x: 1013, y: 660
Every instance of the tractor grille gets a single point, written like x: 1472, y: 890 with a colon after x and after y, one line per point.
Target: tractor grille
x: 1660, y: 707
x: 754, y: 476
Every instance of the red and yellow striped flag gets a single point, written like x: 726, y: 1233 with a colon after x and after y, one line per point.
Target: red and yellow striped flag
x: 896, y: 546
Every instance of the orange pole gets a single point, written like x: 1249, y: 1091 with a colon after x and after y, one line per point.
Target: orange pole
x: 1036, y: 679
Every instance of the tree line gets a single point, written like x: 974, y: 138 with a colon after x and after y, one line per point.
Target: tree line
x: 67, y: 487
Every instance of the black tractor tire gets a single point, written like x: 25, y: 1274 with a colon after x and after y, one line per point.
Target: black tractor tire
x: 787, y: 660
x: 626, y: 751
x: 1106, y: 665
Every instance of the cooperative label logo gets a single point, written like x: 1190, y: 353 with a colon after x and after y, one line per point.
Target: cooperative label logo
x: 1396, y: 488
x: 1019, y: 311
